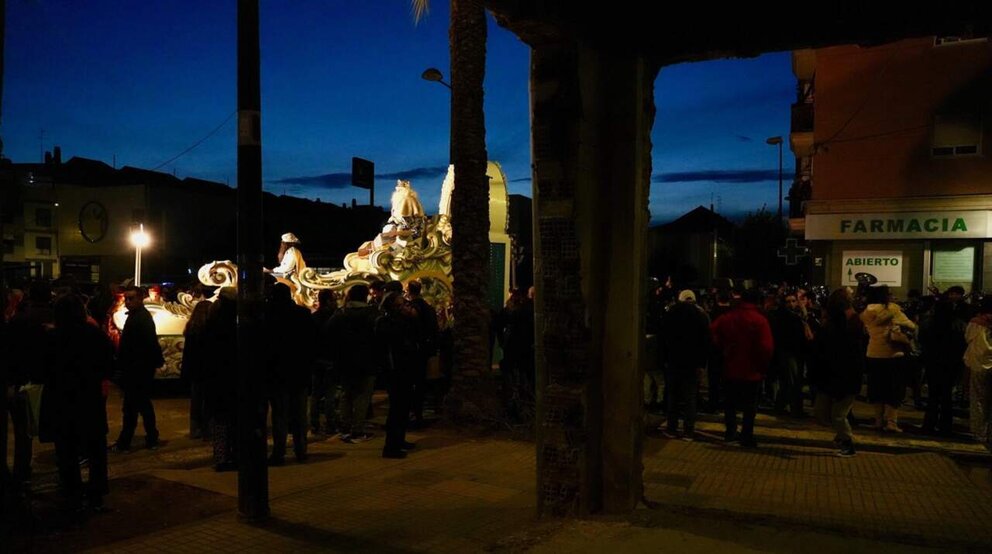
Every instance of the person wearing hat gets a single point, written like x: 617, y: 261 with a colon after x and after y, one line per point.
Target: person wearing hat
x: 290, y: 258
x: 685, y: 334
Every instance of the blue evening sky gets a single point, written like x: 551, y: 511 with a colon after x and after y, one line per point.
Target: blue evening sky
x: 145, y: 80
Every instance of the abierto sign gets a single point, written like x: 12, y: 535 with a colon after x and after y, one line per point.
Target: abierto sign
x: 907, y: 225
x: 885, y: 265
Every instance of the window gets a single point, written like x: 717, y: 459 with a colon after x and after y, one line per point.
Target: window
x: 8, y: 246
x: 43, y: 245
x: 947, y: 41
x: 956, y: 134
x: 43, y: 217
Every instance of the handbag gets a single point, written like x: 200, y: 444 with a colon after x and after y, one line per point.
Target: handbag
x: 898, y: 338
x: 32, y: 396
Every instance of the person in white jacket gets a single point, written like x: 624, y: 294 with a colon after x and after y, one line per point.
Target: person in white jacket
x: 978, y: 358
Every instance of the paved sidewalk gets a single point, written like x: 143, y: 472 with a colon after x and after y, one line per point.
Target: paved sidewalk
x: 918, y: 497
x: 468, y: 494
x: 450, y: 495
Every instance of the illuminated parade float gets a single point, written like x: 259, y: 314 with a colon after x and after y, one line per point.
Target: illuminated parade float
x: 412, y: 245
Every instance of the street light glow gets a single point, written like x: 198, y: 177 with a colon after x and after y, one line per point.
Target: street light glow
x: 139, y: 238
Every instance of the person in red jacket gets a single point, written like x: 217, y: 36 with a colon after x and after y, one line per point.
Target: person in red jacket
x: 745, y: 339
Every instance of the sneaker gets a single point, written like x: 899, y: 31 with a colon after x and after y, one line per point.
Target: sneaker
x: 846, y: 451
x: 688, y: 438
x: 665, y: 433
x: 118, y: 449
x: 408, y: 445
x: 394, y: 454
x: 363, y: 437
x: 892, y: 427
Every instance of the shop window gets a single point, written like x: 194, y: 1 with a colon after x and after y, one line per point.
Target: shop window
x: 43, y: 246
x: 956, y: 135
x: 43, y: 217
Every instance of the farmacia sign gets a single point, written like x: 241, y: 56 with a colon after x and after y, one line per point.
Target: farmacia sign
x: 922, y: 225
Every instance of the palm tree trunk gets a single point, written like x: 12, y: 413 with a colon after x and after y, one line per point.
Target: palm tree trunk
x: 471, y: 396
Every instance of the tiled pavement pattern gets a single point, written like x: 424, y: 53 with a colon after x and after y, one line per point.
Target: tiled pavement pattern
x: 460, y: 494
x: 446, y: 497
x: 918, y: 497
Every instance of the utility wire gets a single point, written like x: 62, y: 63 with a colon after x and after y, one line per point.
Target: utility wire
x: 197, y: 143
x: 864, y: 102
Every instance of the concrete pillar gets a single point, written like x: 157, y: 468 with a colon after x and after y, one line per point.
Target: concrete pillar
x: 591, y: 122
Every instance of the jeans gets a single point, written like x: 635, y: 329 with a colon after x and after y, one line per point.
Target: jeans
x: 683, y: 387
x: 832, y: 412
x: 67, y: 453
x: 790, y: 390
x: 137, y: 400
x: 289, y: 415
x: 400, y: 398
x: 326, y: 385
x: 940, y: 407
x: 357, y: 398
x: 17, y: 407
x: 742, y: 396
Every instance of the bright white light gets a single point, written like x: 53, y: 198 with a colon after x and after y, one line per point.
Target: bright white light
x: 140, y: 239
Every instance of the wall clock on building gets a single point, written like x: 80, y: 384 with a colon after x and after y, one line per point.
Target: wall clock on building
x: 93, y: 221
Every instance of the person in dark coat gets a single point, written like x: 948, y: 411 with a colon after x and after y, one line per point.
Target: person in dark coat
x: 396, y: 333
x: 515, y: 332
x: 714, y: 368
x: 837, y: 366
x: 325, y: 381
x: 427, y: 339
x: 745, y: 338
x: 789, y: 333
x: 685, y: 333
x: 138, y: 356
x: 26, y: 339
x: 79, y: 359
x: 192, y: 369
x: 943, y: 345
x: 220, y: 385
x: 351, y: 335
x: 290, y: 342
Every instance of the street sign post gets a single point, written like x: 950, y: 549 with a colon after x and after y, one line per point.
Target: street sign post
x: 363, y: 176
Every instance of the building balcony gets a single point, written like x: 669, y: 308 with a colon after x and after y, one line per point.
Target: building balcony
x: 802, y: 117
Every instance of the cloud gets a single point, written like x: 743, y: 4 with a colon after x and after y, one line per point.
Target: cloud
x: 742, y: 138
x: 718, y: 176
x: 327, y: 181
x: 521, y: 180
x: 343, y: 180
x: 418, y: 173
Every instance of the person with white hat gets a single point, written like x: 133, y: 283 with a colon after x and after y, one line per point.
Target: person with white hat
x: 290, y: 258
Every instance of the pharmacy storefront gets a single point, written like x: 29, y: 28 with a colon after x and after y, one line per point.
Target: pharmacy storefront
x: 906, y: 250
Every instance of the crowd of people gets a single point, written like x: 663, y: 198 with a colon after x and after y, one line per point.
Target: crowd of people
x: 787, y: 348
x: 321, y: 369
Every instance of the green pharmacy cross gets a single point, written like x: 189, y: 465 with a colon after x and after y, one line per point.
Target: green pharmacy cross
x: 792, y: 252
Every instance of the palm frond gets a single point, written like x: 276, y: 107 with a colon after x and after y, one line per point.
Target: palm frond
x: 419, y: 8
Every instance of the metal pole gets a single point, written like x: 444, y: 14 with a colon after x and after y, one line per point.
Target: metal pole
x: 137, y: 266
x: 253, y: 477
x: 780, y: 181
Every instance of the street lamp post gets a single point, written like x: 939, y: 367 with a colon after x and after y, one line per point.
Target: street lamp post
x: 434, y: 74
x: 777, y: 140
x: 139, y: 239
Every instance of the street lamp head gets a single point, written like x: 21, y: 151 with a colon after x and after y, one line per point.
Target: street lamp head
x: 139, y: 238
x: 432, y: 74
x: 773, y: 140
